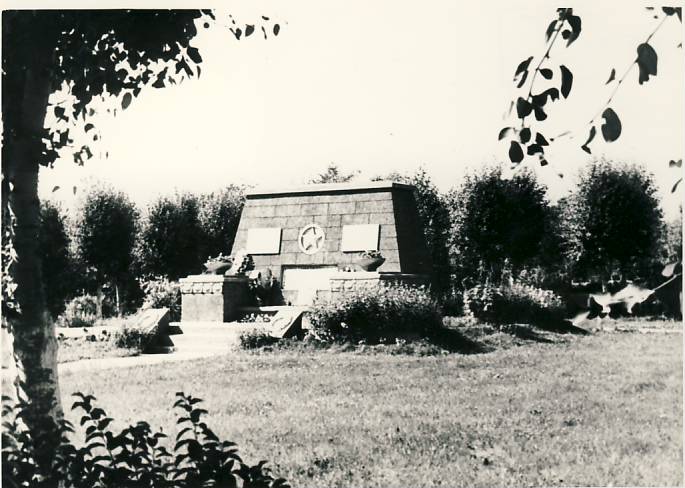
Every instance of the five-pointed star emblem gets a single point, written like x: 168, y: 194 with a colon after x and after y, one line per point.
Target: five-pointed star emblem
x: 311, y: 239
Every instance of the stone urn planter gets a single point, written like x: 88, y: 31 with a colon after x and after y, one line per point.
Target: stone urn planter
x: 217, y: 265
x: 370, y: 260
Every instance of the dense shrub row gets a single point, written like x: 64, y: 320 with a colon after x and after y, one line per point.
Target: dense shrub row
x: 376, y: 314
x: 109, y: 248
x: 513, y: 302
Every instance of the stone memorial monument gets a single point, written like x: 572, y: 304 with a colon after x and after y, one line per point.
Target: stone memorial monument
x: 316, y: 241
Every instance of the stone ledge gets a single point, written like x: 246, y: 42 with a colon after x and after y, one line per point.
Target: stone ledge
x: 330, y: 188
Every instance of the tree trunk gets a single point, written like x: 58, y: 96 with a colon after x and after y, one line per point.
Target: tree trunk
x: 98, y: 302
x: 118, y: 299
x: 34, y: 342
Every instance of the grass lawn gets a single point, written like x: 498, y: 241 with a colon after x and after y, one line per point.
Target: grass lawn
x: 74, y: 349
x: 579, y: 410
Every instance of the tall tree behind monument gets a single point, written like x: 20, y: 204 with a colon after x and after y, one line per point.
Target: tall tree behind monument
x: 106, y: 236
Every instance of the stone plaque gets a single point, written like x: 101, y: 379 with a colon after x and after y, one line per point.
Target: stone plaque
x: 263, y: 240
x: 362, y: 237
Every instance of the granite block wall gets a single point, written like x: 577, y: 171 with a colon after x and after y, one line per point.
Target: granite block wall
x: 390, y: 205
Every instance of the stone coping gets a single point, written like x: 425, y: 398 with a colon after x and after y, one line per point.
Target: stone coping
x: 209, y: 278
x: 369, y: 275
x: 327, y: 188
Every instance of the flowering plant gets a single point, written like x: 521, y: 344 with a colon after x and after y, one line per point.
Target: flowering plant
x: 371, y: 254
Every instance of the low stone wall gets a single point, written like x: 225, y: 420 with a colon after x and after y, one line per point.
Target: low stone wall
x: 212, y: 298
x: 345, y: 282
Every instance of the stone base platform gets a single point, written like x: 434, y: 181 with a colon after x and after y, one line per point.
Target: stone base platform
x: 212, y: 298
x: 343, y: 282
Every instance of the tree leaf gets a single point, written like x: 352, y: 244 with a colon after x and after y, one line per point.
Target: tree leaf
x: 566, y: 80
x: 504, y: 133
x: 575, y: 23
x: 673, y: 163
x: 669, y: 269
x: 88, y: 127
x: 523, y: 107
x: 540, y: 114
x: 611, y: 129
x: 612, y: 76
x: 523, y: 66
x: 585, y: 147
x: 673, y: 10
x: 126, y: 100
x: 675, y: 187
x: 523, y: 79
x: 249, y: 29
x: 55, y: 189
x: 194, y: 55
x: 646, y: 61
x: 550, y: 30
x: 541, y: 99
x: 524, y: 135
x: 159, y: 82
x: 546, y: 73
x: 74, y: 190
x: 535, y: 149
x: 515, y: 152
x: 59, y: 113
x: 540, y: 139
x: 277, y: 29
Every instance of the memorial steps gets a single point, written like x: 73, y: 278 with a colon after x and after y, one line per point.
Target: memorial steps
x: 212, y: 338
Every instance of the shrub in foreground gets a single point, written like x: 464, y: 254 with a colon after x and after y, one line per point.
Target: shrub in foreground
x: 514, y: 302
x: 134, y: 457
x: 376, y: 314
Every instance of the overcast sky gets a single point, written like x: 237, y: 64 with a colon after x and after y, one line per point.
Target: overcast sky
x: 385, y: 86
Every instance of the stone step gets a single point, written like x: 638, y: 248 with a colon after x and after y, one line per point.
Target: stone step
x: 191, y: 344
x: 209, y: 328
x: 205, y: 337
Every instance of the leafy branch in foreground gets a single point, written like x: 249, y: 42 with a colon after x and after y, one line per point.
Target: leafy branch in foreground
x: 133, y: 457
x: 568, y: 26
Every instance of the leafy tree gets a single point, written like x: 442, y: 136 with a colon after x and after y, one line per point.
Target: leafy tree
x: 332, y: 174
x: 219, y: 217
x: 56, y: 258
x: 496, y: 221
x: 90, y: 54
x: 171, y: 243
x: 435, y: 217
x: 672, y: 240
x: 106, y: 237
x: 613, y: 222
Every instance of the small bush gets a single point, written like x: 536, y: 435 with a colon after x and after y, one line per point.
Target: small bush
x: 162, y: 293
x: 80, y: 312
x: 256, y: 339
x: 376, y: 314
x: 515, y: 302
x: 134, y: 457
x: 136, y: 338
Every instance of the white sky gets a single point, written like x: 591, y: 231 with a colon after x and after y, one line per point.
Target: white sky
x: 383, y: 86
